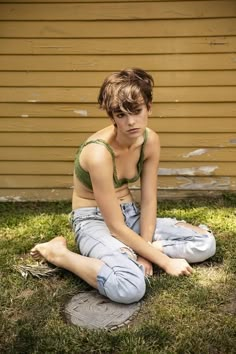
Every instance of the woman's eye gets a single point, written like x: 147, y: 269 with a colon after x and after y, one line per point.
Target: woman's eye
x: 120, y: 115
x: 137, y: 111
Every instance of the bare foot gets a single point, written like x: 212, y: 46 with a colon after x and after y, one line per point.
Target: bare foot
x: 50, y: 251
x: 157, y: 244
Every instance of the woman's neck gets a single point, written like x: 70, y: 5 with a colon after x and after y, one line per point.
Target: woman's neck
x: 123, y: 143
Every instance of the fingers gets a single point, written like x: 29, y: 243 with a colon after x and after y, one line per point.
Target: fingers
x: 178, y: 267
x: 187, y: 271
x: 147, y: 266
x: 149, y: 270
x: 149, y: 273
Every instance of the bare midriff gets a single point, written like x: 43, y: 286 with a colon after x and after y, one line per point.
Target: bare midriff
x: 84, y: 198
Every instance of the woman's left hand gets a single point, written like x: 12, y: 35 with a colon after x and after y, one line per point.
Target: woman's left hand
x: 147, y: 265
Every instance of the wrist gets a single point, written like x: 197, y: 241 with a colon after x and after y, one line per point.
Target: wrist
x: 163, y: 260
x: 166, y: 264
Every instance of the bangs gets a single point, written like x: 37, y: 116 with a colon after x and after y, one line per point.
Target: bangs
x: 125, y: 99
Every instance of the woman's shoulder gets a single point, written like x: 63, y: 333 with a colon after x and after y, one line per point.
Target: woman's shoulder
x: 152, y: 136
x: 103, y: 134
x: 96, y: 150
x: 152, y: 145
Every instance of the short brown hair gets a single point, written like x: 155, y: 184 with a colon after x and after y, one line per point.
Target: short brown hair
x: 125, y: 91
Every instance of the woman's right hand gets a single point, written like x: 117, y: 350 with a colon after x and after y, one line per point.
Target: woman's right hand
x: 177, y: 266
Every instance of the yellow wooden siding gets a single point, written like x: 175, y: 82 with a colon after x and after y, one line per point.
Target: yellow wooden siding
x: 117, y: 10
x: 120, y: 29
x: 118, y: 45
x: 53, y: 58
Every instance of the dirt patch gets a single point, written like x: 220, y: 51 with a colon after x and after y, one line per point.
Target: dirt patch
x: 230, y: 306
x: 25, y: 294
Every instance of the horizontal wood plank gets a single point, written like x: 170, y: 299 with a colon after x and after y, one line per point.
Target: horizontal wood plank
x: 89, y: 95
x: 177, y: 109
x: 26, y: 194
x: 192, y: 157
x: 32, y: 181
x: 95, y: 79
x: 119, y: 29
x: 116, y: 62
x: 178, y: 194
x: 191, y: 168
x: 60, y: 139
x: 197, y: 183
x: 21, y: 195
x: 165, y: 182
x: 221, y: 125
x: 119, y: 46
x: 37, y: 167
x: 168, y: 154
x: 117, y: 10
x: 171, y: 183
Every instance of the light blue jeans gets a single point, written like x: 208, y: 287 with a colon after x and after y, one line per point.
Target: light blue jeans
x: 122, y: 278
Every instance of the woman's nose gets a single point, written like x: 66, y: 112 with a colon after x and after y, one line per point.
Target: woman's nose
x: 131, y: 120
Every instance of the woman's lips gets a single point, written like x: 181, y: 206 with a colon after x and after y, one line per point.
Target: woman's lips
x: 133, y: 130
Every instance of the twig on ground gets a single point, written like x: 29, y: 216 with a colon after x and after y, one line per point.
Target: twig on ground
x: 37, y: 270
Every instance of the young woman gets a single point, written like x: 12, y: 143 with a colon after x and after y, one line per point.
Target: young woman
x: 119, y: 242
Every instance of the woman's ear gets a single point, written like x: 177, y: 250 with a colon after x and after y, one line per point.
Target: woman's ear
x: 149, y: 107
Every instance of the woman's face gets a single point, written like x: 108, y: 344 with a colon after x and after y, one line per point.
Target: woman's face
x: 132, y: 124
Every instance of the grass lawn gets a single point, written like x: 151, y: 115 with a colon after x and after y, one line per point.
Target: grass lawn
x: 178, y: 315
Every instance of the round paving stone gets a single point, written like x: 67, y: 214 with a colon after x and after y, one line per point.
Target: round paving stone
x: 91, y: 310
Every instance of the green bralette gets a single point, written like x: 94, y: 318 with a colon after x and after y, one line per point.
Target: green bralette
x: 84, y: 176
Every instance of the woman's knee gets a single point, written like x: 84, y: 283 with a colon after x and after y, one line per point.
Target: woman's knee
x: 129, y: 289
x: 210, y: 246
x: 204, y: 249
x: 123, y: 282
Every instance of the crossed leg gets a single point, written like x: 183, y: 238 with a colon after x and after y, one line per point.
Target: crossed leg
x: 57, y: 253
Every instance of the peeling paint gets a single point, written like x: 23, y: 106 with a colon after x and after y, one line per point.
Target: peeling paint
x: 222, y: 183
x: 81, y: 112
x: 197, y: 152
x: 4, y: 199
x: 232, y: 141
x: 192, y: 171
x: 24, y: 115
x: 11, y: 199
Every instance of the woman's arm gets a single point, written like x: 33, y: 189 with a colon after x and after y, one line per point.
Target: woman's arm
x: 100, y: 167
x: 149, y: 194
x: 149, y: 187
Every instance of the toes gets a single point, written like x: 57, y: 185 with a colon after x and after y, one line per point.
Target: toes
x: 33, y: 250
x: 36, y: 257
x: 35, y: 253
